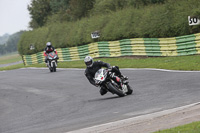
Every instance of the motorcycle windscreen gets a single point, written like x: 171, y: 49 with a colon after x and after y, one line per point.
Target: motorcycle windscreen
x: 52, y: 55
x: 99, y: 75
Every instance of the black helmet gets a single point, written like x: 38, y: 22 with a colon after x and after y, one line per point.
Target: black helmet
x: 88, y: 61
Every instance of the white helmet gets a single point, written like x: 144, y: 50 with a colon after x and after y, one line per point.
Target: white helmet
x: 88, y: 61
x: 48, y: 44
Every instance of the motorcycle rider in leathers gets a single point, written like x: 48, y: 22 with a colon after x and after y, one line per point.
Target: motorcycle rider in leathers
x: 94, y: 66
x: 48, y: 49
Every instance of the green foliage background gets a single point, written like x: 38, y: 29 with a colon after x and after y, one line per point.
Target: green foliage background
x: 115, y: 19
x: 10, y: 44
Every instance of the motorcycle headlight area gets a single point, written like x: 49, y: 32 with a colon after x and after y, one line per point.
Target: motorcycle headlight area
x: 98, y: 82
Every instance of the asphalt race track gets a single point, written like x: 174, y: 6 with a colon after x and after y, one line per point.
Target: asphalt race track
x: 37, y: 101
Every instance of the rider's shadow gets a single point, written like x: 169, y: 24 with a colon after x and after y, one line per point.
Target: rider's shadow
x: 102, y: 99
x: 57, y: 71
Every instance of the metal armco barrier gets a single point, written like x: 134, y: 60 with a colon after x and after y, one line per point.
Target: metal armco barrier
x: 175, y: 46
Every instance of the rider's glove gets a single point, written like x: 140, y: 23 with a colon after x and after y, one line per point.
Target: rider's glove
x: 110, y: 69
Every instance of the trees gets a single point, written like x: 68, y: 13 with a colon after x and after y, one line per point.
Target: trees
x: 50, y: 11
x: 71, y: 10
x: 11, y: 44
x: 4, y: 38
x: 59, y: 5
x: 39, y: 11
x: 115, y: 19
x: 79, y: 8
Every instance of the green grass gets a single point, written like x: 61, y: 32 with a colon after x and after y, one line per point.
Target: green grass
x: 191, y: 63
x: 172, y: 63
x: 12, y: 67
x: 189, y: 128
x: 10, y: 58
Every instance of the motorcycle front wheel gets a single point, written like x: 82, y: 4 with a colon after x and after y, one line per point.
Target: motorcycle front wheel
x: 130, y: 90
x: 54, y: 67
x: 115, y: 90
x: 50, y: 67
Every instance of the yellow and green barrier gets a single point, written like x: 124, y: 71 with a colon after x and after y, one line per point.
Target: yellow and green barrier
x: 174, y: 46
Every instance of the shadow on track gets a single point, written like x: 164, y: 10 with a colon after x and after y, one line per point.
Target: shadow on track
x: 102, y: 99
x: 48, y: 71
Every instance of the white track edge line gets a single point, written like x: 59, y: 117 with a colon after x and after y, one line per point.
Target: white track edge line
x: 130, y: 121
x: 150, y: 69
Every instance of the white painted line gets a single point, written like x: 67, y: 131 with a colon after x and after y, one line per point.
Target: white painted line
x: 34, y: 68
x: 44, y: 68
x: 130, y: 121
x: 155, y: 69
x: 129, y: 69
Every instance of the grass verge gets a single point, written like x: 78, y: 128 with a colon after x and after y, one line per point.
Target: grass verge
x: 189, y: 128
x: 12, y: 67
x: 191, y: 63
x: 10, y: 58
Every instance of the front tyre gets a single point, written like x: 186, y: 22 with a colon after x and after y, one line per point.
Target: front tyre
x: 115, y: 90
x: 54, y: 67
x: 50, y: 67
x: 130, y: 90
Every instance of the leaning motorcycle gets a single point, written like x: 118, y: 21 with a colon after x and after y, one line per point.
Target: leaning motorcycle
x: 52, y: 61
x: 103, y: 77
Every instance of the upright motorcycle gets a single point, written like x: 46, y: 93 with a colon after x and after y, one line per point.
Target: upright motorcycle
x: 103, y: 77
x: 52, y: 61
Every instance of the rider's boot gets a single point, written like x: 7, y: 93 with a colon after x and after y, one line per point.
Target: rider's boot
x: 116, y: 70
x: 103, y: 91
x: 117, y: 80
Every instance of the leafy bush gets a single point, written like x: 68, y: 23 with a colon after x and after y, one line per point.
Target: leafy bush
x: 155, y: 20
